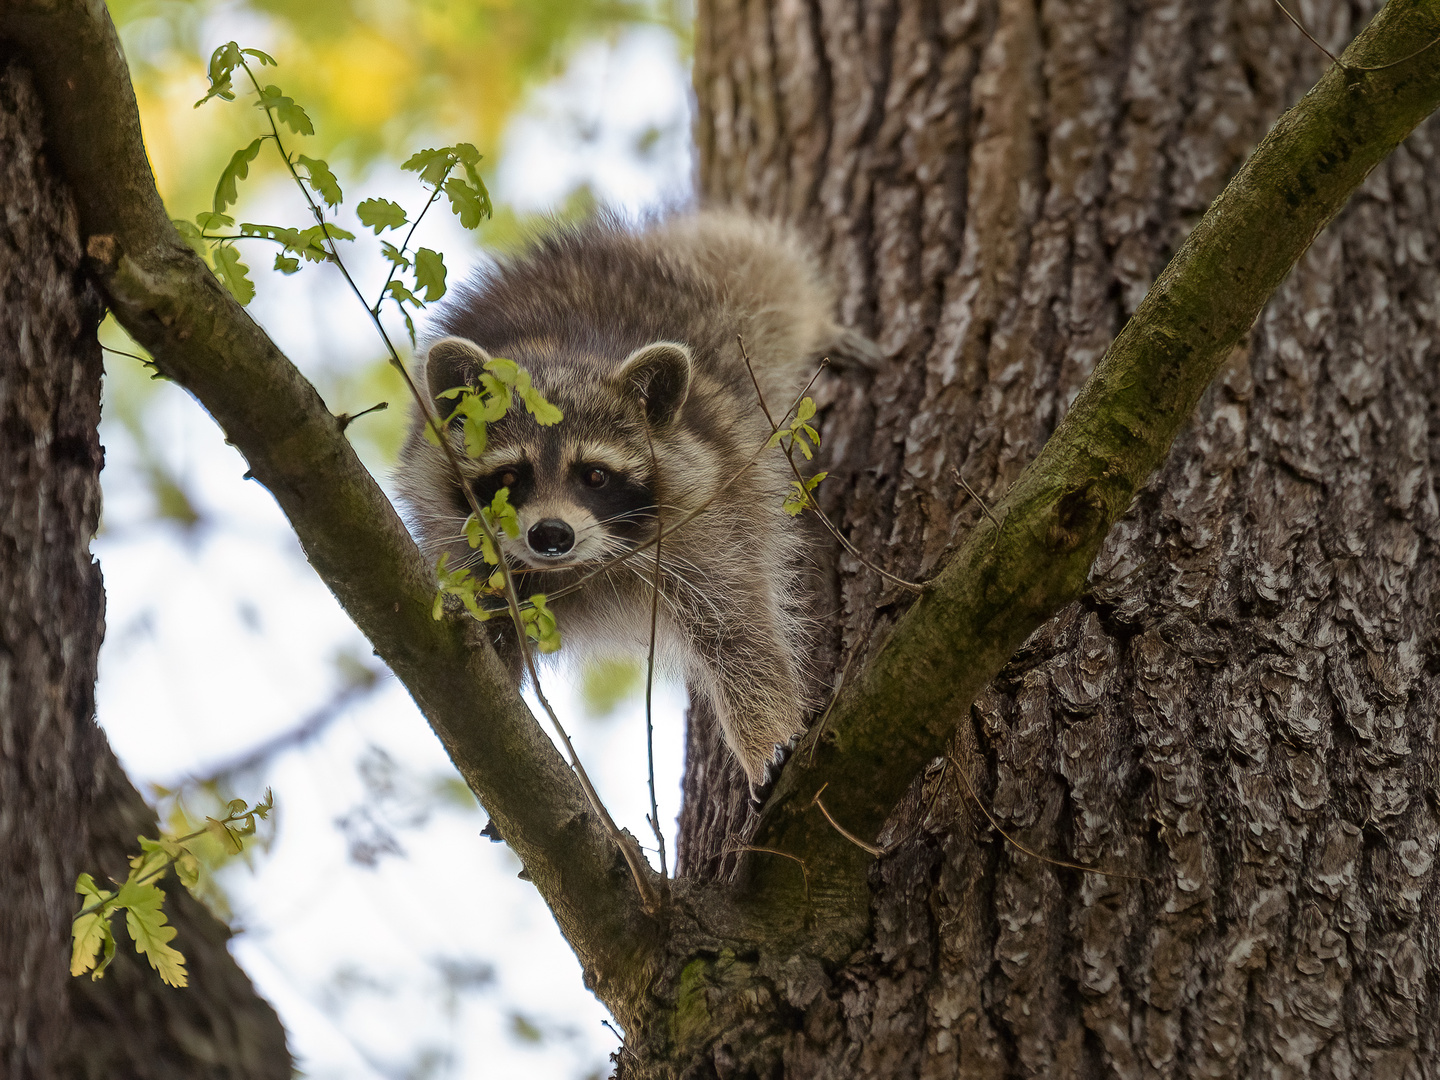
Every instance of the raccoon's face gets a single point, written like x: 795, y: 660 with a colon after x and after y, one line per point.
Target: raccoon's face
x: 577, y: 501
x: 584, y: 490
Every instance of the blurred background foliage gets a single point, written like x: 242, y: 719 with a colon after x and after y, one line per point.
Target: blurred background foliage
x: 378, y: 77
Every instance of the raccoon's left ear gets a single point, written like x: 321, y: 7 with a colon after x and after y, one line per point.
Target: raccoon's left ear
x: 658, y: 375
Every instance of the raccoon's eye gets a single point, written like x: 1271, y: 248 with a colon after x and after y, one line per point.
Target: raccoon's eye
x: 596, y: 478
x: 507, y: 478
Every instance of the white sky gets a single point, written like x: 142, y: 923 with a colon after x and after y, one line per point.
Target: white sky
x: 222, y: 638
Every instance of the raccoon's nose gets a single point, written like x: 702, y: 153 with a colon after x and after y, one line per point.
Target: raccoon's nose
x: 551, y: 537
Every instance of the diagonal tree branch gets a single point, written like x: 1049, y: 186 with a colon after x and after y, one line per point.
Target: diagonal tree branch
x: 166, y: 297
x: 1011, y: 577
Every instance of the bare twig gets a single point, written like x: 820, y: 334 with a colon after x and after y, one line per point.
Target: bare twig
x: 346, y: 419
x: 809, y: 498
x: 731, y: 847
x: 834, y: 697
x: 1354, y: 67
x: 846, y: 833
x: 1021, y: 847
x: 972, y: 493
x: 650, y: 661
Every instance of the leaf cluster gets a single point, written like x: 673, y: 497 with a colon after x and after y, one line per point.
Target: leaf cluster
x: 414, y: 281
x: 798, y: 433
x: 143, y: 900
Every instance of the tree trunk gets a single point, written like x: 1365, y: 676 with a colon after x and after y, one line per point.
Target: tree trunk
x: 65, y: 804
x: 1244, y: 702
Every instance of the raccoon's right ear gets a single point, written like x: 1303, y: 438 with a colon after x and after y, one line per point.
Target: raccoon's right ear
x: 658, y: 375
x: 452, y: 362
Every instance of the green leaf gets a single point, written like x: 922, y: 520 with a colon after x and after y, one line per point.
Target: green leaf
x: 234, y: 273
x: 146, y: 921
x: 544, y: 413
x: 430, y: 274
x: 799, y: 498
x: 502, y: 514
x: 311, y: 242
x: 432, y: 165
x: 473, y: 431
x: 208, y: 220
x: 286, y: 264
x: 507, y: 371
x: 398, y: 291
x: 286, y: 111
x: 91, y: 931
x: 223, y: 62
x: 540, y: 625
x: 806, y: 409
x: 381, y: 214
x: 187, y: 869
x: 265, y: 58
x: 190, y: 233
x: 226, y: 191
x: 322, y: 180
x: 497, y: 399
x: 473, y: 531
x: 394, y: 254
x: 471, y: 206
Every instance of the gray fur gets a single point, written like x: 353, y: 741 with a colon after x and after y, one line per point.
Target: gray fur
x: 620, y: 326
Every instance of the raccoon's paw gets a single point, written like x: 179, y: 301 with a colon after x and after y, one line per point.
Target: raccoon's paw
x: 770, y: 772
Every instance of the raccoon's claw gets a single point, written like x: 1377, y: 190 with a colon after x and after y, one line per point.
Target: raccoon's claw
x: 761, y: 791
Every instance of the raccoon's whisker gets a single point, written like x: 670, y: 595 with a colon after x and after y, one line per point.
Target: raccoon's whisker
x: 649, y: 589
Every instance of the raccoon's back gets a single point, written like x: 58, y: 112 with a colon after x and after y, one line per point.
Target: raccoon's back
x: 604, y: 288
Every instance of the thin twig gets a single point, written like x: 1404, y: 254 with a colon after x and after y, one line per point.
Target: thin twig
x: 846, y: 833
x: 346, y: 419
x: 1300, y: 26
x: 731, y: 848
x: 972, y: 493
x: 1353, y: 67
x: 809, y: 497
x: 1021, y: 847
x: 629, y: 849
x: 834, y: 697
x: 650, y: 656
x: 395, y: 266
x: 147, y: 361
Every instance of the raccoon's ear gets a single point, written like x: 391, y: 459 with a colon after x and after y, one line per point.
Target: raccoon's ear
x: 453, y: 361
x: 658, y: 375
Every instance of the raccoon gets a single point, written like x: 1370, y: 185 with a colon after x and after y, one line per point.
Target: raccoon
x: 635, y: 334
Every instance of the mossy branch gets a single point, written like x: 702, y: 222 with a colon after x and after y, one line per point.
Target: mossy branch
x: 1022, y: 564
x: 166, y: 297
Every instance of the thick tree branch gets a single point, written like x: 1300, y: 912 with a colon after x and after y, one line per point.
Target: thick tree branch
x: 1009, y: 578
x: 165, y: 296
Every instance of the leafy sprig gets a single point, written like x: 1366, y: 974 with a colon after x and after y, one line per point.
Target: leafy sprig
x: 414, y: 281
x: 143, y: 900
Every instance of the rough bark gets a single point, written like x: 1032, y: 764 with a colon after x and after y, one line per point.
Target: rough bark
x: 65, y: 804
x: 1243, y: 704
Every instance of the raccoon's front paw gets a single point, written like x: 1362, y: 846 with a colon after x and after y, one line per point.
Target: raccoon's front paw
x: 770, y: 772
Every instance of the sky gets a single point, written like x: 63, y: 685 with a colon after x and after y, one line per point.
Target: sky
x: 393, y: 940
